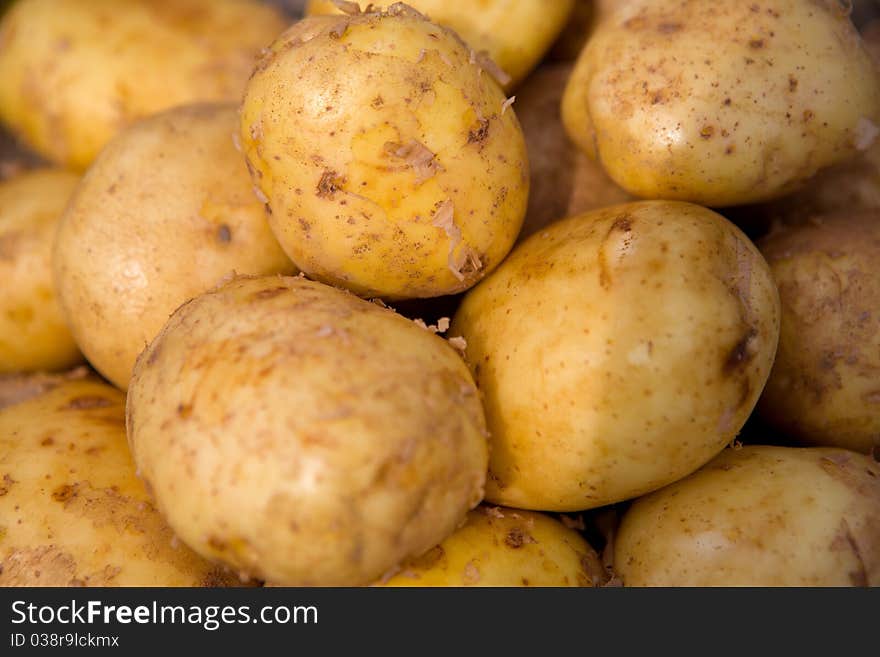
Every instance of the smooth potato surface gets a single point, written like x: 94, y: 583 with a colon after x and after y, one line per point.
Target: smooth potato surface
x: 303, y: 435
x: 618, y: 351
x: 33, y: 332
x: 824, y: 388
x: 72, y: 511
x: 505, y: 547
x: 515, y: 34
x: 722, y: 103
x: 759, y: 516
x: 165, y: 212
x: 390, y: 160
x: 73, y: 73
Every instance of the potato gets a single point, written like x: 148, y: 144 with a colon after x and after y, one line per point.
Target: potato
x: 505, y: 547
x: 33, y: 332
x: 515, y: 34
x: 303, y: 435
x: 823, y: 389
x: 72, y: 511
x: 759, y: 516
x: 73, y: 73
x: 618, y: 351
x: 564, y: 181
x: 722, y: 103
x: 164, y: 213
x: 392, y: 165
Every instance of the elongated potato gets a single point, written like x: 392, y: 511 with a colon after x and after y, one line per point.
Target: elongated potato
x: 824, y: 388
x: 392, y: 164
x: 515, y: 34
x: 505, y: 547
x: 564, y: 181
x: 73, y: 73
x: 759, y: 516
x: 72, y: 511
x: 618, y: 351
x: 303, y: 435
x: 33, y: 332
x: 164, y: 213
x: 722, y: 103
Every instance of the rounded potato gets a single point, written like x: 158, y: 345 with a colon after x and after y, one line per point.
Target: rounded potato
x: 722, y: 103
x: 33, y: 332
x: 758, y: 516
x: 164, y: 213
x: 515, y: 34
x: 392, y: 164
x: 618, y: 351
x: 72, y: 511
x: 823, y: 389
x: 505, y: 547
x: 564, y: 181
x: 303, y: 435
x: 73, y: 73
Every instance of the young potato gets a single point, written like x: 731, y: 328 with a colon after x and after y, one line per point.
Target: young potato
x: 515, y: 34
x: 72, y: 511
x: 722, y: 103
x: 505, y: 547
x: 758, y: 516
x: 618, y: 351
x: 564, y: 181
x: 73, y: 73
x: 163, y: 214
x: 33, y: 332
x: 824, y: 389
x: 303, y: 435
x: 392, y: 163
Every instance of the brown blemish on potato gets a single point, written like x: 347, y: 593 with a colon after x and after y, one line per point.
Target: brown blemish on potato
x: 471, y: 572
x: 48, y: 441
x: 740, y: 355
x: 269, y: 293
x: 707, y: 131
x: 329, y: 184
x: 517, y: 537
x: 6, y: 484
x: 224, y: 234
x: 480, y: 133
x: 622, y: 224
x: 64, y: 493
x: 184, y: 411
x: 429, y: 559
x: 665, y: 27
x: 87, y: 402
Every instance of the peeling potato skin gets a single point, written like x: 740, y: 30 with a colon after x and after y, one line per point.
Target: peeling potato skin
x: 504, y: 547
x: 618, y: 351
x: 73, y: 73
x: 33, y: 332
x: 164, y: 213
x: 564, y: 181
x: 824, y: 388
x: 328, y: 106
x: 303, y: 435
x: 759, y: 516
x: 72, y: 511
x: 514, y: 33
x: 721, y: 103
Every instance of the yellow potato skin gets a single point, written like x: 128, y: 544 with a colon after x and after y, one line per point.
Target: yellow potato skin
x: 324, y: 121
x: 72, y: 511
x: 164, y: 213
x: 33, y: 333
x: 759, y: 516
x: 823, y: 389
x: 350, y: 440
x: 618, y: 351
x: 504, y: 547
x: 73, y: 73
x: 719, y: 104
x: 514, y: 33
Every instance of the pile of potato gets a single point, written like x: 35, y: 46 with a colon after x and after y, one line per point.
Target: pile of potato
x: 498, y: 293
